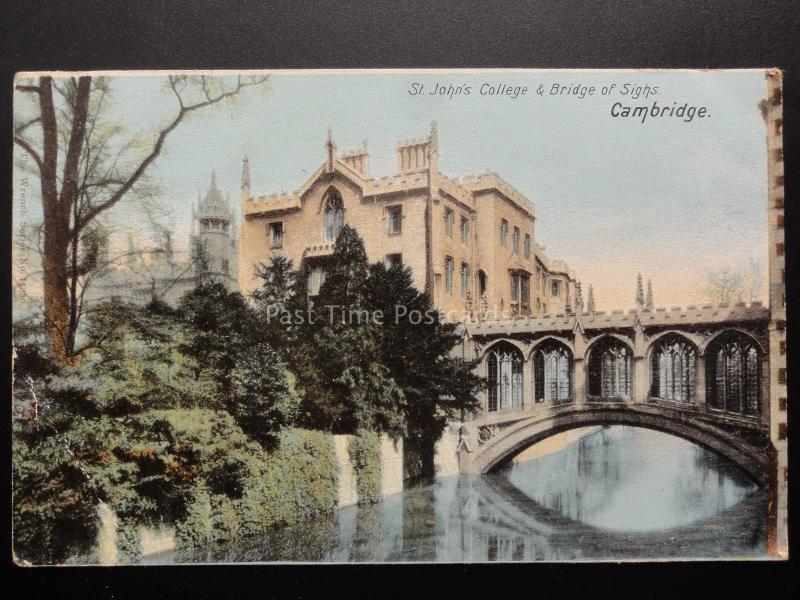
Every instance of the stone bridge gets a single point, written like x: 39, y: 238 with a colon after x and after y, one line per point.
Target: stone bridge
x: 699, y: 373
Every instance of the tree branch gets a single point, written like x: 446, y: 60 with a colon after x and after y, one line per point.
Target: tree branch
x: 30, y: 150
x: 162, y: 136
x: 34, y: 89
x: 25, y: 125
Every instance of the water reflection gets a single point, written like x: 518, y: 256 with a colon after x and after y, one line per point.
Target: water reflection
x: 631, y: 479
x: 614, y: 493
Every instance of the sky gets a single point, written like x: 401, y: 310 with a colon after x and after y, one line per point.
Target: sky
x: 613, y: 197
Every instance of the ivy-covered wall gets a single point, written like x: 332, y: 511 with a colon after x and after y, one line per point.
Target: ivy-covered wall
x: 365, y: 455
x: 296, y: 482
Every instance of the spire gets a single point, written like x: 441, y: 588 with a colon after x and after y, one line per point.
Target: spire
x: 245, y: 173
x: 648, y: 301
x: 639, y: 292
x: 330, y: 152
x: 433, y: 160
x: 590, y: 299
x: 578, y: 298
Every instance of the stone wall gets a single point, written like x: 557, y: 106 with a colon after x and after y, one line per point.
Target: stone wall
x: 154, y: 540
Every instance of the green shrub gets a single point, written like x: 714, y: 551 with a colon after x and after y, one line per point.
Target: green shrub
x: 128, y: 540
x: 296, y: 482
x: 365, y: 455
x: 300, y: 482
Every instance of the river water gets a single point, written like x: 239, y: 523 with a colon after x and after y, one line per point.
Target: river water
x: 615, y: 493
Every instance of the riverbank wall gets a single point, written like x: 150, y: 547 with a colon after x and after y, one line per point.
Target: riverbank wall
x: 154, y: 540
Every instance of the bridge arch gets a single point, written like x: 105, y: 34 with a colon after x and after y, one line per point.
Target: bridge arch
x: 512, y: 440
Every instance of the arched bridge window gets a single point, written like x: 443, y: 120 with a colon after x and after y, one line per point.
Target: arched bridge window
x: 733, y: 363
x: 610, y: 370
x: 504, y: 372
x: 334, y: 215
x: 673, y: 366
x: 552, y: 373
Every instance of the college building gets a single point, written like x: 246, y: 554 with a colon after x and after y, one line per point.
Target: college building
x: 470, y: 242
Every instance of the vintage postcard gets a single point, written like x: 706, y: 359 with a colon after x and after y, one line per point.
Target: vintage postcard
x: 398, y: 315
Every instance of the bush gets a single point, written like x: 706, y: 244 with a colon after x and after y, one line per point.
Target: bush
x: 365, y: 455
x: 300, y: 482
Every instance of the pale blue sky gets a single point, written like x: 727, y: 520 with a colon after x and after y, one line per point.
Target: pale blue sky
x: 612, y: 197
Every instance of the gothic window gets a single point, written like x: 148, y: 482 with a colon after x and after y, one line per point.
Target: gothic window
x: 481, y: 283
x: 520, y: 290
x: 673, y: 366
x: 504, y: 373
x: 527, y: 245
x: 515, y: 240
x: 552, y: 373
x: 276, y: 234
x: 316, y: 277
x: 555, y: 288
x: 465, y: 279
x: 464, y: 230
x: 448, y: 221
x: 732, y: 374
x: 225, y: 265
x: 503, y: 232
x: 395, y: 218
x: 610, y: 370
x: 394, y: 260
x: 334, y: 215
x: 448, y: 274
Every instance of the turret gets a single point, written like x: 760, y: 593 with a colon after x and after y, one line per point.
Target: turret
x: 213, y: 219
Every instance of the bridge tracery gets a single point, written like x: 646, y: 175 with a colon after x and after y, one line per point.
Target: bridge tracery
x: 651, y: 368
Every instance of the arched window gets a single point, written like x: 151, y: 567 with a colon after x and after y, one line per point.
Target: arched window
x: 334, y: 215
x: 504, y: 372
x: 673, y: 366
x: 733, y: 379
x: 552, y: 373
x: 610, y: 370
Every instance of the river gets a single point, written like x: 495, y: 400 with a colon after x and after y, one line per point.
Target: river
x: 618, y: 493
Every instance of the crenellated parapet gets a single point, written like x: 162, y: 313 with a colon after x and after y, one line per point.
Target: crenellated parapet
x: 493, y: 182
x: 692, y: 315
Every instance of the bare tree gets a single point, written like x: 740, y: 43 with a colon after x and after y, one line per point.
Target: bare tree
x: 86, y: 165
x: 734, y: 284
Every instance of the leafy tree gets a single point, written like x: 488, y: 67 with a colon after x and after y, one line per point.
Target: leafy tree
x: 416, y: 347
x: 281, y: 295
x: 350, y: 389
x: 148, y: 421
x: 264, y: 393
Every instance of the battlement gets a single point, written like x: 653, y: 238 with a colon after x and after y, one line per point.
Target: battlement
x: 491, y: 181
x: 357, y: 159
x: 413, y: 155
x: 676, y: 315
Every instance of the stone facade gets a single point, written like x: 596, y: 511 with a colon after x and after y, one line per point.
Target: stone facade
x: 470, y: 242
x: 773, y: 115
x: 685, y: 406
